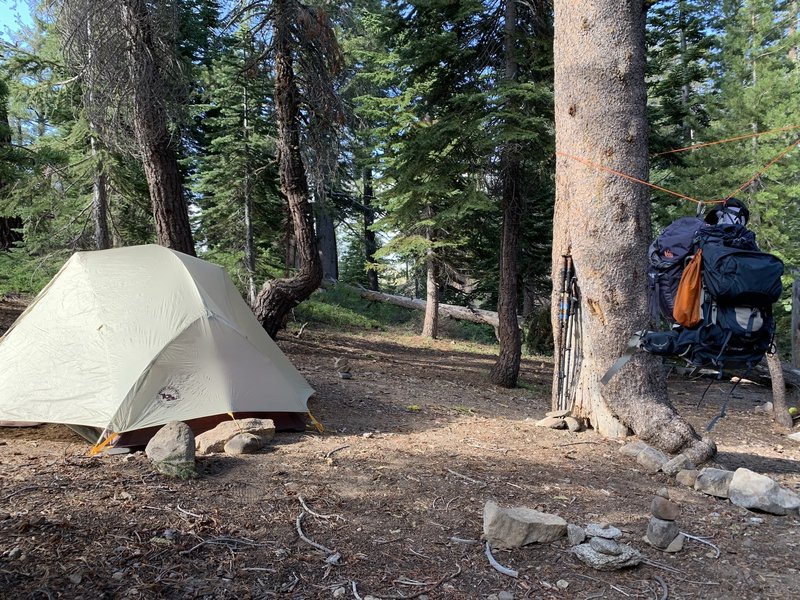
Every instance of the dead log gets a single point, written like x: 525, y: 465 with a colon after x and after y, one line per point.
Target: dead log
x: 459, y: 313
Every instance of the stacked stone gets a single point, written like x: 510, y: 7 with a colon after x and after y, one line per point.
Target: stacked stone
x: 662, y: 530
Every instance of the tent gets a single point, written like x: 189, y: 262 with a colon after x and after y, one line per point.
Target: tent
x: 126, y: 340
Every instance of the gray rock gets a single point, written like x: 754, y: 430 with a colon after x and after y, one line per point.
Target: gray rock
x: 660, y: 533
x: 678, y: 463
x: 628, y: 557
x: 215, y: 439
x: 714, y: 482
x: 652, y: 459
x: 767, y: 407
x: 557, y: 413
x: 759, y: 492
x: 573, y: 424
x: 794, y: 436
x: 171, y: 450
x: 605, y: 546
x: 687, y: 477
x: 551, y: 423
x: 15, y: 553
x: 664, y: 509
x: 676, y: 545
x: 603, y: 530
x: 504, y: 595
x: 519, y: 526
x: 663, y: 492
x: 339, y: 592
x: 633, y: 449
x: 345, y: 375
x: 575, y: 535
x: 244, y: 443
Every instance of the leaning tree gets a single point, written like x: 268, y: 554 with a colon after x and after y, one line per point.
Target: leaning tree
x: 603, y: 221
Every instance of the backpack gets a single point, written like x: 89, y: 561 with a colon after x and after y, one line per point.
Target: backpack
x: 667, y: 256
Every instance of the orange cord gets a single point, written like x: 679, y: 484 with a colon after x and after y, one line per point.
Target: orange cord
x: 725, y: 141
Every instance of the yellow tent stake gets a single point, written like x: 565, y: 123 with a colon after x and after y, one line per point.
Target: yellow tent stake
x: 239, y: 427
x: 319, y: 426
x: 98, y: 447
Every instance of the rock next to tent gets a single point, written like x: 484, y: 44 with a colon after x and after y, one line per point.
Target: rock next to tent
x: 171, y: 450
x: 215, y: 439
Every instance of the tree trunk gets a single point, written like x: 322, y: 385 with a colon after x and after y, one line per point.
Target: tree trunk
x: 150, y: 128
x: 370, y: 246
x: 780, y: 410
x: 505, y: 370
x: 8, y: 224
x: 326, y: 239
x: 430, y: 327
x: 279, y: 296
x: 603, y: 220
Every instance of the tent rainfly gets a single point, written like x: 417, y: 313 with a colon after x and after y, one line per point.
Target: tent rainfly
x: 128, y: 339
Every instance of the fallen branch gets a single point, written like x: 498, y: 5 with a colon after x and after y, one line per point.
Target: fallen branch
x: 334, y: 451
x: 430, y: 586
x: 497, y: 566
x: 663, y: 584
x: 191, y: 514
x: 307, y: 540
x: 464, y: 477
x: 702, y: 541
x: 355, y: 591
x: 313, y: 514
x: 302, y: 329
x: 222, y: 541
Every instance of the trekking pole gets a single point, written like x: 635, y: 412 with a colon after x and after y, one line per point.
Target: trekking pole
x: 562, y: 326
x: 569, y: 342
x: 564, y: 332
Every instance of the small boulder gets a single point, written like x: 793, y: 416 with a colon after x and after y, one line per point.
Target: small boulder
x: 714, y: 482
x: 676, y: 545
x: 551, y: 423
x: 244, y: 443
x: 605, y: 546
x: 633, y: 449
x: 652, y: 459
x: 603, y: 530
x: 628, y: 557
x: 215, y: 439
x: 519, y: 526
x: 660, y: 533
x: 664, y: 509
x: 573, y: 424
x: 557, y: 413
x: 686, y: 477
x: 759, y: 492
x: 794, y: 436
x: 677, y: 464
x: 575, y: 535
x: 171, y: 450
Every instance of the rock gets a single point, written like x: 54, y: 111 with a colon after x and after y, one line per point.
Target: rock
x: 767, y: 407
x: 15, y: 553
x: 516, y: 527
x: 117, y: 575
x: 794, y: 436
x: 603, y: 530
x: 345, y: 375
x: 663, y: 492
x: 686, y: 477
x: 664, y: 509
x: 676, y: 545
x: 714, y: 482
x: 573, y: 424
x: 339, y: 592
x: 759, y: 492
x: 660, y: 533
x: 215, y: 439
x: 76, y: 578
x: 504, y: 595
x: 171, y: 450
x: 562, y: 584
x: 633, y: 449
x: 575, y: 535
x: 628, y: 557
x: 605, y: 546
x: 551, y: 422
x: 557, y: 413
x: 244, y: 443
x: 678, y: 463
x: 652, y: 459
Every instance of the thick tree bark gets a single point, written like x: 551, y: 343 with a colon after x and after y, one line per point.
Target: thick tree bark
x: 279, y: 296
x: 430, y: 326
x: 603, y: 220
x: 370, y: 245
x: 780, y: 410
x: 505, y: 370
x: 8, y: 224
x: 326, y: 239
x: 150, y: 128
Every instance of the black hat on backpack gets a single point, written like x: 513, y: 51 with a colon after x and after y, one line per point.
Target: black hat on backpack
x: 730, y: 212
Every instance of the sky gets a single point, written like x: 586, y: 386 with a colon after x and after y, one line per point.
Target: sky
x: 11, y: 12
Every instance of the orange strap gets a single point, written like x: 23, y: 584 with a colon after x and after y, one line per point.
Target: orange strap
x: 726, y: 140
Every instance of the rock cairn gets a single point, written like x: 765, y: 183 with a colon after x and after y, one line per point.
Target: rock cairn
x: 662, y: 529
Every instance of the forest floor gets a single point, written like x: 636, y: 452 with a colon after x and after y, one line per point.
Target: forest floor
x: 416, y: 443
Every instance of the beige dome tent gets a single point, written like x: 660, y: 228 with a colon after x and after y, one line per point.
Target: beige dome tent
x: 128, y: 339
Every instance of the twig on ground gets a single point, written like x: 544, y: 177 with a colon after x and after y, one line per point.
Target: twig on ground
x: 430, y: 587
x: 470, y: 479
x: 459, y: 540
x: 313, y: 514
x: 334, y: 451
x: 302, y: 329
x: 576, y: 443
x: 27, y: 488
x: 611, y: 585
x: 355, y: 592
x: 221, y: 541
x: 186, y: 512
x: 298, y: 524
x: 497, y: 566
x: 702, y: 541
x: 663, y: 584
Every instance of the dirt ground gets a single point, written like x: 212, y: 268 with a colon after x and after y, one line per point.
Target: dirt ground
x: 415, y: 444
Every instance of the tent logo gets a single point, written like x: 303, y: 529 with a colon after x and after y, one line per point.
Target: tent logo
x: 168, y: 395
